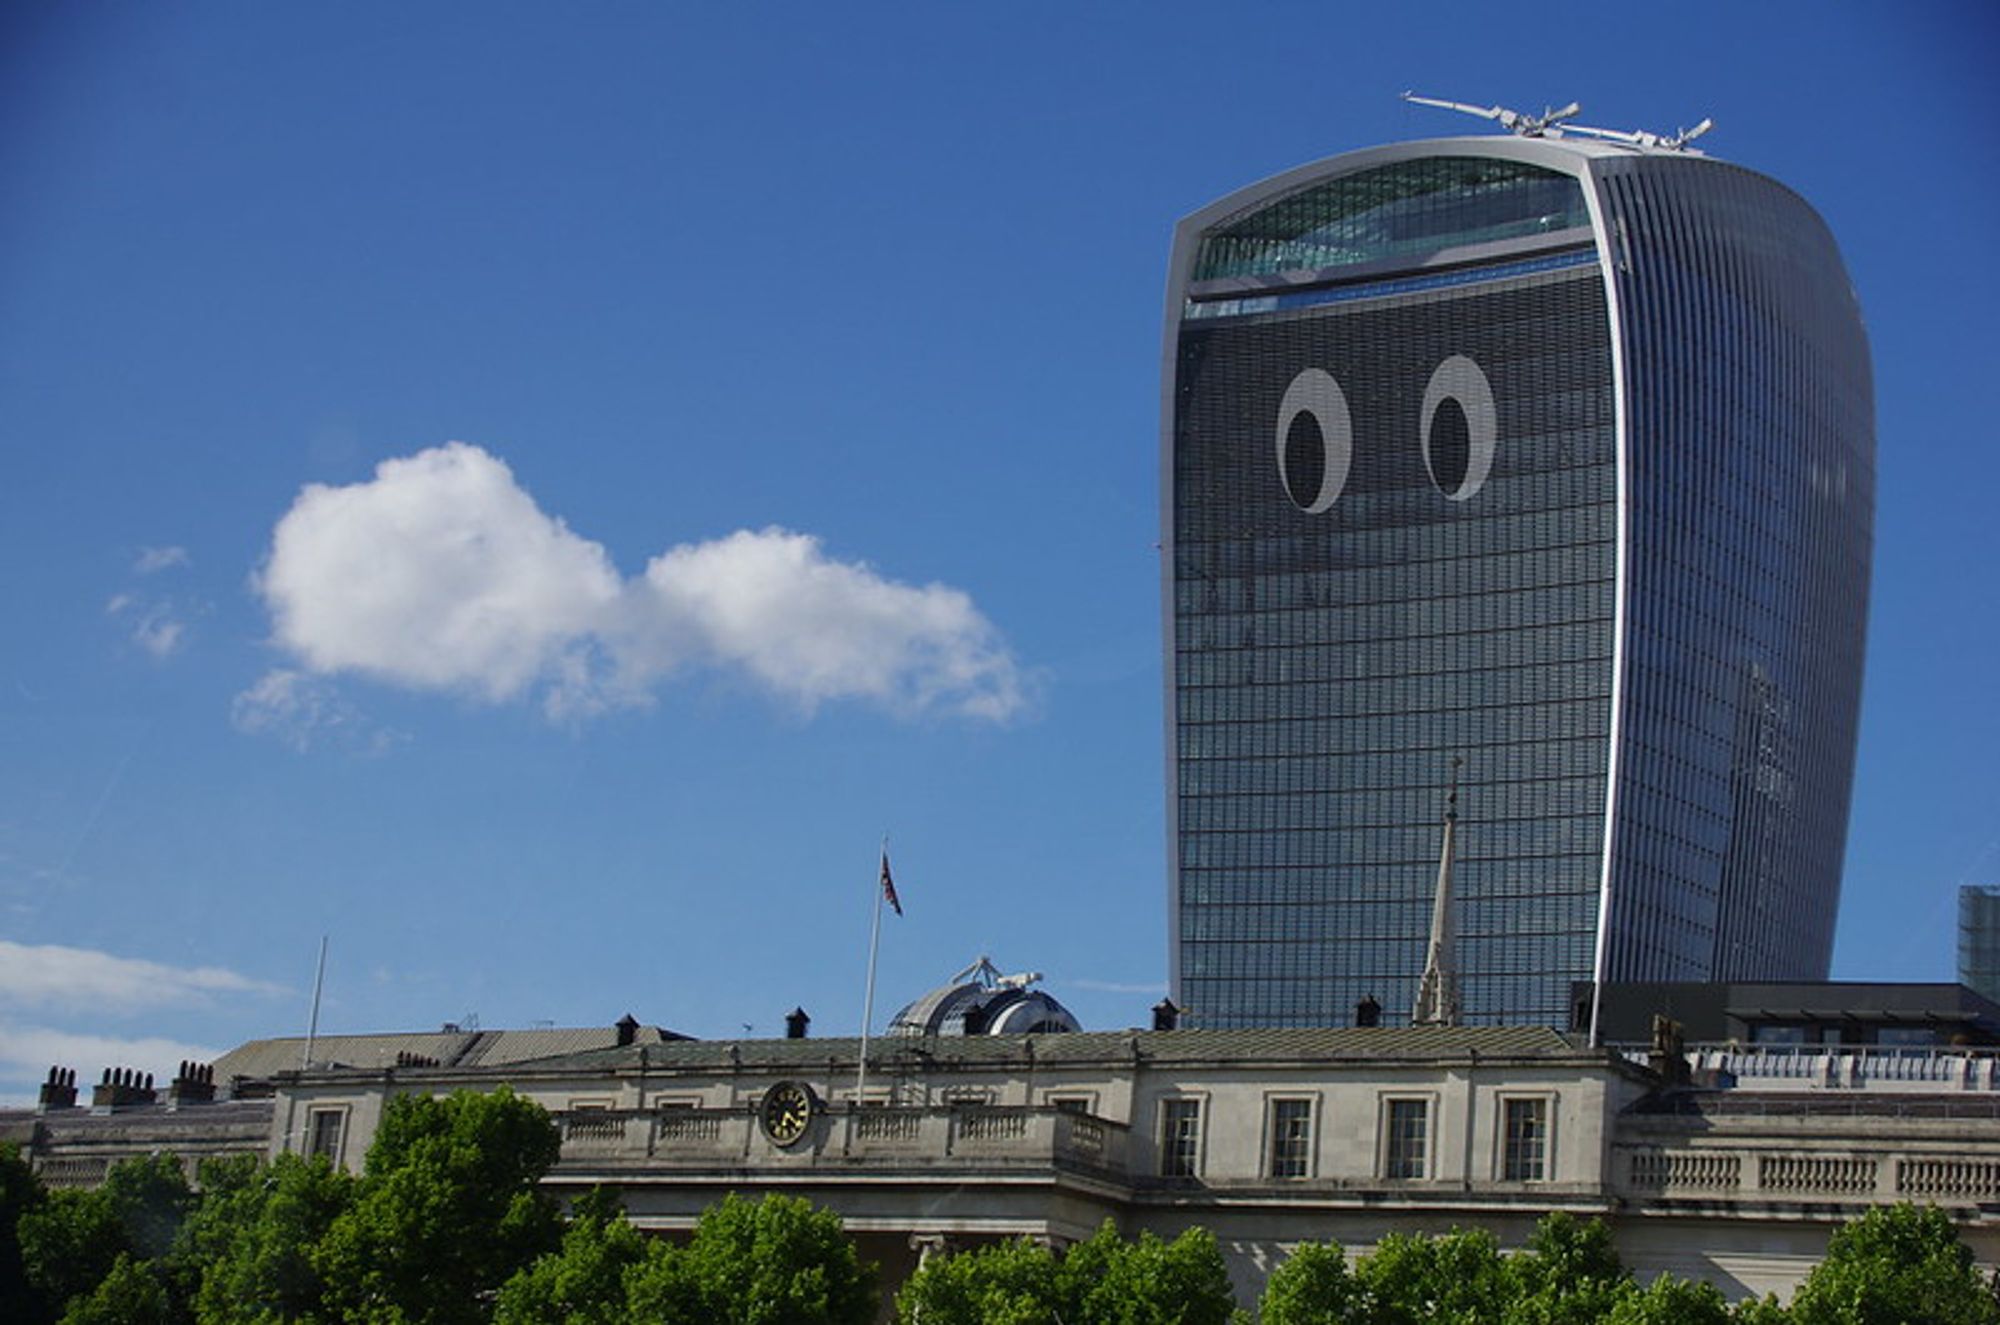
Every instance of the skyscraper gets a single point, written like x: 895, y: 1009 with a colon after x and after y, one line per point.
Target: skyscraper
x: 1979, y: 938
x: 1552, y: 455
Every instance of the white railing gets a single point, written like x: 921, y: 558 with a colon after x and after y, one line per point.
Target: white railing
x: 1838, y: 1067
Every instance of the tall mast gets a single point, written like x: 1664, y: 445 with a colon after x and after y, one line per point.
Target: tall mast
x: 1437, y: 992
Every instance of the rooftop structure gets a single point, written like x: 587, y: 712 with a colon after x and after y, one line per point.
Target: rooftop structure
x: 1979, y: 938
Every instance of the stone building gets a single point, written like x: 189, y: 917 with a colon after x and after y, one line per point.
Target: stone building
x: 1729, y: 1164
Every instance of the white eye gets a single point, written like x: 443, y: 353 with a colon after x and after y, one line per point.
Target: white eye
x: 1315, y: 441
x: 1460, y: 427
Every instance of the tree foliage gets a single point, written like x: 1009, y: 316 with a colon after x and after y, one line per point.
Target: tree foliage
x: 778, y: 1261
x: 1006, y: 1283
x: 1899, y: 1266
x: 1103, y: 1280
x: 255, y: 1237
x: 20, y: 1192
x: 131, y: 1293
x: 72, y: 1240
x: 583, y: 1281
x: 1670, y: 1301
x: 1568, y: 1274
x: 1896, y: 1264
x: 1312, y: 1287
x: 446, y: 1211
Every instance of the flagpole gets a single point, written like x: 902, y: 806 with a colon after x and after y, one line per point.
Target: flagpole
x: 868, y: 1001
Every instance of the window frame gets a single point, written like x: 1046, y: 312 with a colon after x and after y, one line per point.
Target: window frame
x: 1308, y: 1157
x: 1503, y: 1157
x: 1389, y: 1158
x: 315, y: 1113
x: 1166, y: 1141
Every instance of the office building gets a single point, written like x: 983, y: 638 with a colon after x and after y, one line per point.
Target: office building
x: 1979, y: 938
x: 1548, y: 454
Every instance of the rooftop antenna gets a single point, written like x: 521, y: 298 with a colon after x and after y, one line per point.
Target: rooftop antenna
x: 312, y: 1026
x: 1549, y: 124
x: 1437, y: 992
x: 1675, y: 142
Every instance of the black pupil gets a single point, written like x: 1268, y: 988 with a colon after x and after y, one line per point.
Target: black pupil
x: 1451, y: 445
x: 1305, y: 460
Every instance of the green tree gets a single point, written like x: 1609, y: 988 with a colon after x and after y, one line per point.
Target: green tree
x: 778, y: 1261
x: 73, y: 1239
x: 1568, y: 1274
x: 130, y: 1293
x: 1103, y: 1280
x: 1147, y: 1282
x: 1764, y: 1310
x: 1458, y: 1277
x: 20, y: 1192
x: 252, y: 1240
x: 1670, y: 1301
x: 1004, y: 1283
x: 1311, y: 1287
x: 69, y: 1242
x: 583, y: 1282
x: 1894, y: 1265
x: 446, y: 1210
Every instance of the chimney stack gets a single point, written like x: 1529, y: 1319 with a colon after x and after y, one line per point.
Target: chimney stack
x: 193, y: 1084
x: 796, y: 1022
x: 59, y: 1091
x: 122, y: 1087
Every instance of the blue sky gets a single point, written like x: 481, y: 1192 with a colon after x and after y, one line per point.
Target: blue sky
x: 803, y: 366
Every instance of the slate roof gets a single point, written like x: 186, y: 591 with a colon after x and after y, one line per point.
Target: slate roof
x: 1228, y: 1047
x: 263, y: 1059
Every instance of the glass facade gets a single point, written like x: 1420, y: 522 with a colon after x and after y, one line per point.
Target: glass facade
x: 1750, y: 413
x: 1979, y: 938
x: 1394, y: 510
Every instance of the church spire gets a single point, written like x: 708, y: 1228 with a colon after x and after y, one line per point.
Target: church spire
x: 1437, y: 992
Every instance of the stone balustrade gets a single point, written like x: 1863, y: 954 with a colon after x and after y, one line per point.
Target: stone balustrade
x: 1841, y: 1067
x: 981, y: 1136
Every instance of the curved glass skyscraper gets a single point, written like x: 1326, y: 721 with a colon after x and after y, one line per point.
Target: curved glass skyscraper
x: 1551, y: 455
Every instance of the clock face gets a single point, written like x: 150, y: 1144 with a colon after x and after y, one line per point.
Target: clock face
x: 786, y: 1112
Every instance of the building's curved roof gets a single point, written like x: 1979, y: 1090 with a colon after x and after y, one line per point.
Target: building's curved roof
x: 981, y: 1001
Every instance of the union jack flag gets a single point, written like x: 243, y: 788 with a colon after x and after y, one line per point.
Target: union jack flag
x: 889, y: 886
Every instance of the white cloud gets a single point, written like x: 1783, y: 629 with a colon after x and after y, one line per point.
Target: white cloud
x: 49, y: 975
x: 158, y: 632
x: 815, y: 629
x: 303, y: 712
x: 441, y: 573
x: 152, y: 559
x: 155, y: 626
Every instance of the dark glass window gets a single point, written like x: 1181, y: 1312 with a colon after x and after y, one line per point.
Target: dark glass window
x: 323, y: 1128
x: 1403, y: 210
